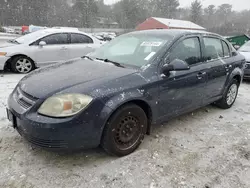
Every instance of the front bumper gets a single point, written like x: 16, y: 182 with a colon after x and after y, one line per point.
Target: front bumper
x: 79, y: 132
x: 247, y: 72
x: 3, y: 60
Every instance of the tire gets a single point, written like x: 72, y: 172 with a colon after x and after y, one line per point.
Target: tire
x: 22, y: 64
x: 230, y: 95
x: 125, y: 130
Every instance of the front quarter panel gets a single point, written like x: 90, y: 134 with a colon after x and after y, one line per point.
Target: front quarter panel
x: 138, y: 89
x: 21, y: 49
x: 139, y: 86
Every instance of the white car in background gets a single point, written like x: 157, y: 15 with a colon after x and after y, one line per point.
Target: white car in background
x: 45, y: 47
x: 9, y: 30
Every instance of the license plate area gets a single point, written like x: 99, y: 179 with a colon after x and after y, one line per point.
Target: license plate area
x: 11, y: 117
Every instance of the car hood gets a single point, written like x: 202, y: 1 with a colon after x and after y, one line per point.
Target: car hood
x: 53, y: 79
x: 246, y: 55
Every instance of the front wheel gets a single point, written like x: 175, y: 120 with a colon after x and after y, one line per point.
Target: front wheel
x: 230, y: 95
x: 22, y: 64
x: 125, y: 130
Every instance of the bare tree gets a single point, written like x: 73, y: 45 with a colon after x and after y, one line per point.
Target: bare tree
x: 209, y: 16
x: 165, y: 8
x: 129, y: 16
x: 86, y: 11
x: 196, y: 12
x: 224, y: 12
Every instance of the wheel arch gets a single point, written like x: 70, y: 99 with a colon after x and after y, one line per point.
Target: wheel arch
x: 7, y: 65
x: 146, y: 108
x: 238, y: 78
x: 142, y: 104
x: 237, y: 74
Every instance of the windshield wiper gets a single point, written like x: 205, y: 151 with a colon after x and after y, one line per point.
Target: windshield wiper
x: 14, y: 41
x: 110, y: 61
x: 88, y: 57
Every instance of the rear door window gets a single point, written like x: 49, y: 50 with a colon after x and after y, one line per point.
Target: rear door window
x: 80, y: 39
x: 213, y: 48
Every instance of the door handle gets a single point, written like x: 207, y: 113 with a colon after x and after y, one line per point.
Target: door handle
x: 200, y: 75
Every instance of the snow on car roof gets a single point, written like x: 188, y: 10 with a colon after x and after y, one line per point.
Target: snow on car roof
x: 66, y: 28
x: 31, y: 37
x: 178, y: 23
x: 173, y: 32
x: 59, y: 30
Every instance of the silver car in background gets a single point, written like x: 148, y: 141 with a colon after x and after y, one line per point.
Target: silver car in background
x: 45, y: 47
x: 245, y: 51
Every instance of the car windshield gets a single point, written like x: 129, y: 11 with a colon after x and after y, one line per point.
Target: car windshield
x: 30, y: 37
x: 132, y: 49
x: 245, y: 47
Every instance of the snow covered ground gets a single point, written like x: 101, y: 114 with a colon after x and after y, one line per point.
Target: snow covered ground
x: 209, y: 148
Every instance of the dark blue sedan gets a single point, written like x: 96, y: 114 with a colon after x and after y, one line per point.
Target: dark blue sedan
x: 113, y: 96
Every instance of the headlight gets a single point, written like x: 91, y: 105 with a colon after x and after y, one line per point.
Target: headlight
x: 64, y: 105
x: 3, y: 53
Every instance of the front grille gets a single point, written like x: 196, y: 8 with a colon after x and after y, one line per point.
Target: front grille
x: 24, y: 99
x: 247, y: 65
x: 53, y: 144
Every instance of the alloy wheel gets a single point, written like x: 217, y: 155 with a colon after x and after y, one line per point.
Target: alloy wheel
x: 23, y: 65
x: 232, y: 93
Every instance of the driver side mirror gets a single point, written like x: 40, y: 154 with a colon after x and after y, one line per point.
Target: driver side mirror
x: 42, y: 43
x: 234, y: 53
x: 236, y: 47
x: 175, y: 65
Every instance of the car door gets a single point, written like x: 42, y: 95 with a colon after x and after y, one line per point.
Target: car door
x: 80, y: 45
x: 217, y: 60
x: 54, y: 50
x: 182, y: 91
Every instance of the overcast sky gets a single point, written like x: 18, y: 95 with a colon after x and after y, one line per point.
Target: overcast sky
x: 237, y: 4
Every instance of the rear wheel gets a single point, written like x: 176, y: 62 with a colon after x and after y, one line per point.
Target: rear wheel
x: 125, y: 130
x: 22, y: 64
x: 230, y: 95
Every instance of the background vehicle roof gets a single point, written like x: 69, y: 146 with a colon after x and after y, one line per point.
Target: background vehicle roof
x: 174, y: 23
x: 29, y: 38
x: 61, y: 30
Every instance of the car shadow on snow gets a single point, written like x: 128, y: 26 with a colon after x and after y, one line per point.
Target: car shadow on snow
x: 186, y: 119
x: 3, y: 73
x: 167, y: 137
x: 246, y: 82
x: 98, y: 154
x: 68, y: 158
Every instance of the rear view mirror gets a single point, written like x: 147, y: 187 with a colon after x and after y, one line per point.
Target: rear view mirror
x: 42, y: 43
x: 175, y: 65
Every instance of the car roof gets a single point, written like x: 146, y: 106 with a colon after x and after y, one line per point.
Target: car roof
x: 62, y: 30
x: 29, y: 38
x: 175, y: 32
